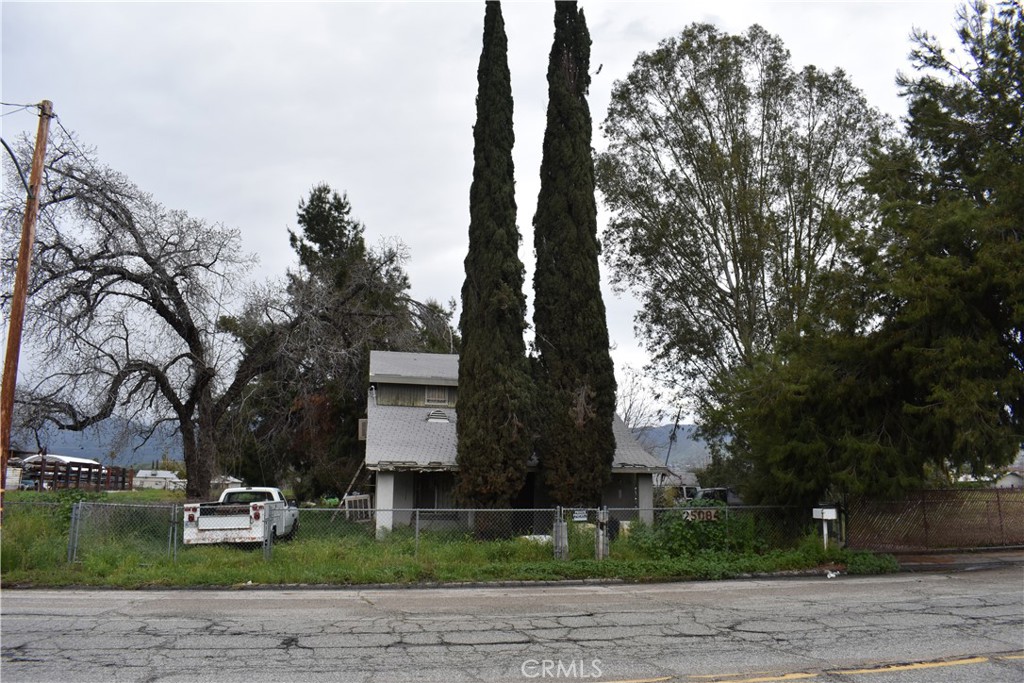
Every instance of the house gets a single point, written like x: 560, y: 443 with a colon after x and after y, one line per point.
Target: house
x: 224, y: 481
x: 1013, y: 478
x: 411, y: 443
x: 158, y: 479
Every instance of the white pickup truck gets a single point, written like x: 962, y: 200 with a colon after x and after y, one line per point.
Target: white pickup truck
x: 242, y: 515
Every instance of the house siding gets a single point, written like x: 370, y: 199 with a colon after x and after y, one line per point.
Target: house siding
x: 413, y: 395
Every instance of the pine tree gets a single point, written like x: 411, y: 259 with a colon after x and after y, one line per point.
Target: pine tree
x: 494, y: 384
x: 576, y: 377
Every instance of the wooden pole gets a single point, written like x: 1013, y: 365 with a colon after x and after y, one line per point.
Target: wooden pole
x: 28, y: 237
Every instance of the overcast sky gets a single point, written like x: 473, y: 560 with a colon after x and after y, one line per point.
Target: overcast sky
x: 233, y: 111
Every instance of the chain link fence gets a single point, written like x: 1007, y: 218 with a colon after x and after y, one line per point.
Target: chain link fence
x: 147, y: 531
x: 37, y: 534
x: 154, y: 532
x: 929, y: 520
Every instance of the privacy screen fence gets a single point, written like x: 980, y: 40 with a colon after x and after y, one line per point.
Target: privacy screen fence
x: 98, y: 532
x: 933, y: 520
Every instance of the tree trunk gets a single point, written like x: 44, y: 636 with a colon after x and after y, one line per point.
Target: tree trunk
x: 199, y: 447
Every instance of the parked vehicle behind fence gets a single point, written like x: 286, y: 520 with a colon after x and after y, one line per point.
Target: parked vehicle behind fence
x: 241, y: 515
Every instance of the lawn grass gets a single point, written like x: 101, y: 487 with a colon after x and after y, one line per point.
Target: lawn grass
x: 33, y: 552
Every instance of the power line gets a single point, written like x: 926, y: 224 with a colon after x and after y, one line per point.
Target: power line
x: 71, y: 139
x: 20, y: 107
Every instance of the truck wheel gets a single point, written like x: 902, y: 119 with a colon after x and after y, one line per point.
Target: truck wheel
x: 291, y: 534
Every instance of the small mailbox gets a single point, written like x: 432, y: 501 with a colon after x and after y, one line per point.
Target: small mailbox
x: 825, y: 513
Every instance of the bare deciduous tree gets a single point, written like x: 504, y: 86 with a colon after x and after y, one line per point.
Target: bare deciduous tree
x: 123, y: 312
x: 638, y: 405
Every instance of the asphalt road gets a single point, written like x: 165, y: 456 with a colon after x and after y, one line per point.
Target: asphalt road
x: 905, y: 628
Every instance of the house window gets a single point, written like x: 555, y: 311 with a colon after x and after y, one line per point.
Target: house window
x: 434, y: 491
x: 437, y: 396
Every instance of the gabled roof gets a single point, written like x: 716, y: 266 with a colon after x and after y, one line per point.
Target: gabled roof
x: 434, y: 369
x: 629, y: 454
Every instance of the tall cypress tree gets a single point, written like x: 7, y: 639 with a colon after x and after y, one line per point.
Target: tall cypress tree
x: 576, y: 376
x: 494, y: 383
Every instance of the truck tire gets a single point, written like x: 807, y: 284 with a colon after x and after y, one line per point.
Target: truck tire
x: 295, y: 528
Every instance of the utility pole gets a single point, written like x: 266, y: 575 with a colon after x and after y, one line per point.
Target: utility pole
x: 28, y: 238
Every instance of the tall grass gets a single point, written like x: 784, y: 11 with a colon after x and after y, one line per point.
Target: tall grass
x: 34, y: 537
x: 34, y: 546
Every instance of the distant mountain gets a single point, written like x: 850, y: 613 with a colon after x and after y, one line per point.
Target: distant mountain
x: 113, y: 435
x: 688, y: 452
x: 97, y: 443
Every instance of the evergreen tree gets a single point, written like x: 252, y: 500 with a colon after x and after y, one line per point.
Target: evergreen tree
x: 301, y: 418
x: 920, y: 367
x: 576, y: 377
x: 494, y: 384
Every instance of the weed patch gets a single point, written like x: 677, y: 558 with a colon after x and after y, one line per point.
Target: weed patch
x: 34, y: 552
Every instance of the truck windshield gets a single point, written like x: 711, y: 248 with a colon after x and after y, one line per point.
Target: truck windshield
x: 247, y: 497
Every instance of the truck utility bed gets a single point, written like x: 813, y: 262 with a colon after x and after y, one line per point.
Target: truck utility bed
x: 242, y: 515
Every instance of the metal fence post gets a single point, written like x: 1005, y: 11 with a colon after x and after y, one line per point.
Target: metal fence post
x: 172, y: 541
x: 268, y: 538
x: 560, y: 536
x: 179, y: 517
x: 601, y: 534
x: 73, y: 533
x: 417, y: 551
x: 170, y: 532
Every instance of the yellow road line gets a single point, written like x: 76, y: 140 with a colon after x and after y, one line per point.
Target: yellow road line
x: 780, y: 678
x: 765, y: 677
x: 910, y: 667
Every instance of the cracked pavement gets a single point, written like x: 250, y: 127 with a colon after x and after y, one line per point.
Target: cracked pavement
x: 632, y: 631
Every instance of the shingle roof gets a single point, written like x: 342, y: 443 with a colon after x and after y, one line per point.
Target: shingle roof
x: 438, y: 369
x: 629, y: 454
x: 403, y: 438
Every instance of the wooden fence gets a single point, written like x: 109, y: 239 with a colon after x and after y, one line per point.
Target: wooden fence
x: 57, y: 475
